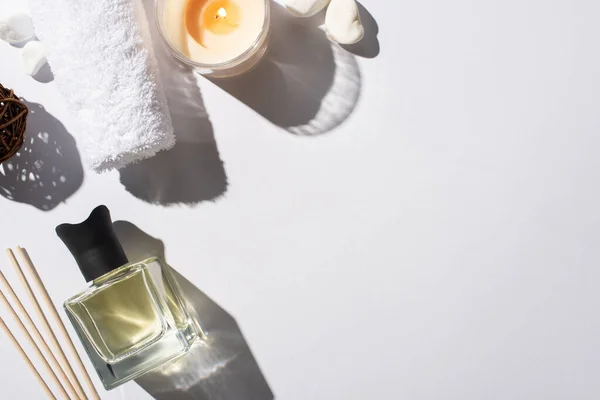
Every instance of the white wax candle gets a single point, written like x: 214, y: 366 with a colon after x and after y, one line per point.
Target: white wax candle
x: 213, y: 31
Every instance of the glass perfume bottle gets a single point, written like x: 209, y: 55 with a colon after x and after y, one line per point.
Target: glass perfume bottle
x: 132, y: 318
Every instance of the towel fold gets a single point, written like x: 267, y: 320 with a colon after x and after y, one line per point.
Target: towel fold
x: 101, y: 55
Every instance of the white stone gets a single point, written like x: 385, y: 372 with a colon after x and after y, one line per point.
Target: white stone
x: 33, y: 56
x: 15, y: 27
x: 305, y: 8
x: 342, y: 22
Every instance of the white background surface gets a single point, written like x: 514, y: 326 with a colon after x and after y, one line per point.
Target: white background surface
x: 441, y: 243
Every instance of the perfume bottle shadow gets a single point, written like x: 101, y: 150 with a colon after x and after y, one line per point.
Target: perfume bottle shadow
x: 304, y: 84
x: 192, y: 171
x: 47, y: 170
x: 222, y: 366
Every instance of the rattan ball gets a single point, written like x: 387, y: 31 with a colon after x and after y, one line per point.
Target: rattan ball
x: 13, y: 122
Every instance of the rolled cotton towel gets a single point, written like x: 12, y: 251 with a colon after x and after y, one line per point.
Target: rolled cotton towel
x: 101, y: 55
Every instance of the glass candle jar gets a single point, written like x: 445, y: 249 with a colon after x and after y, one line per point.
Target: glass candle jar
x: 218, y: 38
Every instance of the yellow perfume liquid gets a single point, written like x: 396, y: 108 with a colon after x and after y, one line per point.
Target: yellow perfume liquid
x: 119, y: 318
x: 132, y: 318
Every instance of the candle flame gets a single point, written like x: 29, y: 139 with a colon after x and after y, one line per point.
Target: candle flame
x: 221, y: 12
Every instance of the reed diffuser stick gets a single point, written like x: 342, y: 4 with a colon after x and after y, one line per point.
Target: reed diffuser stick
x: 50, y: 305
x: 35, y: 372
x: 46, y: 324
x: 35, y: 347
x: 37, y: 335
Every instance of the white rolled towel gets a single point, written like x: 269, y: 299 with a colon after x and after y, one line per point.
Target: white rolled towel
x: 101, y: 55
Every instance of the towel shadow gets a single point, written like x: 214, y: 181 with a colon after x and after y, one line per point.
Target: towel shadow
x: 222, y: 366
x: 304, y: 84
x: 368, y: 47
x: 192, y: 171
x: 47, y: 169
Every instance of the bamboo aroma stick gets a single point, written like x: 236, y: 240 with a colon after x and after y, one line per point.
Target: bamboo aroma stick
x: 37, y: 335
x: 50, y: 305
x: 46, y: 325
x: 27, y: 360
x: 35, y: 347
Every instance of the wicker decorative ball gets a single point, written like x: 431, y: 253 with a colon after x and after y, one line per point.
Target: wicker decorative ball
x: 13, y: 122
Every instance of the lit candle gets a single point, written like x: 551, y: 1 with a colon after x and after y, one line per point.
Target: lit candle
x: 213, y: 31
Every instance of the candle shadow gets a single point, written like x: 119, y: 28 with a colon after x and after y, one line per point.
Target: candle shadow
x: 220, y: 367
x: 47, y: 169
x: 305, y: 83
x: 192, y: 171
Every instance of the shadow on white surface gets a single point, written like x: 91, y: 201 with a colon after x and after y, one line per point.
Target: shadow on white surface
x: 192, y: 171
x: 221, y: 367
x: 304, y: 84
x: 44, y: 75
x: 368, y: 47
x: 47, y: 169
x: 21, y: 44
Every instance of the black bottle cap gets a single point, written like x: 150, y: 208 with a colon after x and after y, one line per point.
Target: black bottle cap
x: 94, y: 244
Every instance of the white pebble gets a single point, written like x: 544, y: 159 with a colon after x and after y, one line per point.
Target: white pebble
x: 305, y: 8
x: 16, y: 27
x: 342, y: 22
x: 33, y: 56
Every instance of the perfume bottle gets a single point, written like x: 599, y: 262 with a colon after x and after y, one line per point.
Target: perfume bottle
x: 132, y: 318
